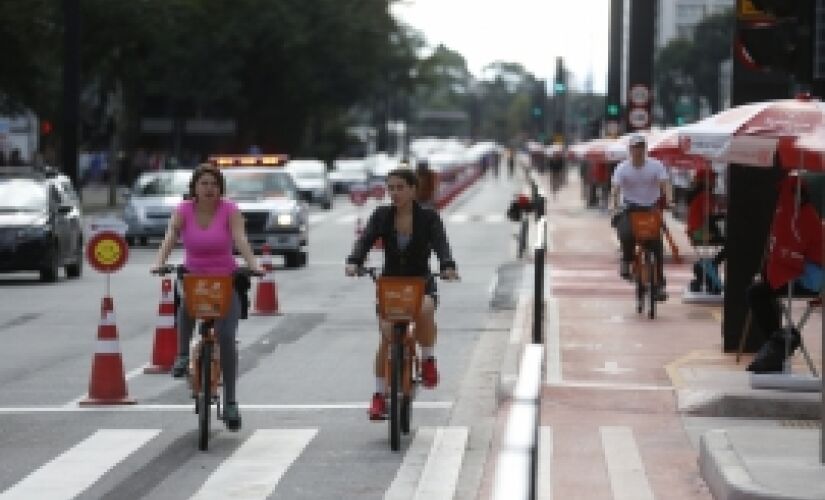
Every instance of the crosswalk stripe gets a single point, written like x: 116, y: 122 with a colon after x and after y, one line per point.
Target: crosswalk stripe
x: 459, y: 218
x: 253, y: 471
x: 494, y: 218
x: 72, y: 472
x: 440, y: 475
x: 624, y: 465
x: 406, y: 479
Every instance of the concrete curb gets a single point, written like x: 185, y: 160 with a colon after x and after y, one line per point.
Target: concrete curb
x: 725, y: 472
x: 508, y: 374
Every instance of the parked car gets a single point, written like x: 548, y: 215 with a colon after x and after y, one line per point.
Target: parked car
x: 153, y: 197
x: 312, y: 180
x: 40, y: 224
x: 347, y: 173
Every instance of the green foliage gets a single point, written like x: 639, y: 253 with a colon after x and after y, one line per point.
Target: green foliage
x: 687, y: 70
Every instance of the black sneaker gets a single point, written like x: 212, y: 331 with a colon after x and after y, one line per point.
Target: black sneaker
x: 660, y: 294
x: 624, y: 270
x: 770, y: 357
x: 232, y: 417
x: 181, y: 367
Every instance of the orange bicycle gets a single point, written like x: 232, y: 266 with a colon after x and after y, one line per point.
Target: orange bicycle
x: 647, y: 230
x: 399, y: 302
x: 207, y: 300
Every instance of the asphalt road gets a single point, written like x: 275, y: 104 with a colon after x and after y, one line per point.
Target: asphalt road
x: 304, y: 385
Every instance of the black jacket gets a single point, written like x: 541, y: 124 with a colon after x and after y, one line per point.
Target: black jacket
x: 428, y: 235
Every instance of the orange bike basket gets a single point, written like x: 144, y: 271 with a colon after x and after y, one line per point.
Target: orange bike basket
x: 646, y: 226
x: 399, y: 297
x: 207, y: 297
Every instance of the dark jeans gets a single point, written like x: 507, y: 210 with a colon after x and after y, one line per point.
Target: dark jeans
x: 628, y: 242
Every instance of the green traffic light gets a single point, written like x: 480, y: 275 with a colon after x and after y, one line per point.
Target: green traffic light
x: 559, y: 87
x: 680, y: 120
x: 536, y: 111
x: 612, y: 110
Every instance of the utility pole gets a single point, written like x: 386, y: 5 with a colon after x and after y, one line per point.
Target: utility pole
x: 71, y: 89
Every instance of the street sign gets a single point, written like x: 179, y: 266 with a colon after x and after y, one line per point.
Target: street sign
x: 107, y: 251
x: 639, y: 118
x: 639, y: 95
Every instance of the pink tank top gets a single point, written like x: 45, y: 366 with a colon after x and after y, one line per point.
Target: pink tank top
x: 208, y: 250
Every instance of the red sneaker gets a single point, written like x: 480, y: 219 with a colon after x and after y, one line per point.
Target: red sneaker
x: 429, y: 373
x: 378, y: 407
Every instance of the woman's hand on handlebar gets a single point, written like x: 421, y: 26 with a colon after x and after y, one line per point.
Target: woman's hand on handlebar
x: 450, y: 274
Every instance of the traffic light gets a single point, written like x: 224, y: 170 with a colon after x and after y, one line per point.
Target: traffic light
x: 613, y: 110
x: 559, y: 84
x: 46, y: 128
x: 779, y: 38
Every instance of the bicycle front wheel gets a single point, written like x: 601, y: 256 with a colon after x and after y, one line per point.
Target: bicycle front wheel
x: 395, y: 388
x: 204, y: 395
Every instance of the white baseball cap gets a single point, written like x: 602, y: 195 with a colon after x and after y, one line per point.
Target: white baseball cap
x: 636, y: 140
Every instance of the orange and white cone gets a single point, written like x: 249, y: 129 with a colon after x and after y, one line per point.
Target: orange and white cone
x: 165, y: 347
x: 266, y: 294
x: 107, y: 384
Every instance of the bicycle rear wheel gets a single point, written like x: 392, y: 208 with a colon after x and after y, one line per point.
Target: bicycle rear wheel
x: 204, y: 395
x: 653, y: 281
x: 395, y: 388
x: 640, y: 285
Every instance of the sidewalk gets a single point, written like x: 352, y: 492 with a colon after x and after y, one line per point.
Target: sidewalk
x: 640, y: 409
x: 95, y: 199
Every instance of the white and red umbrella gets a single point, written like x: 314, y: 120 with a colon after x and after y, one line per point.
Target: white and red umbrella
x: 666, y: 148
x: 789, y: 132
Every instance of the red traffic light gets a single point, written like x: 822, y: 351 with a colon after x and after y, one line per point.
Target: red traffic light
x: 46, y: 127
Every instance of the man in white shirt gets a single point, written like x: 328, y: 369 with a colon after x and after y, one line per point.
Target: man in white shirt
x: 638, y: 184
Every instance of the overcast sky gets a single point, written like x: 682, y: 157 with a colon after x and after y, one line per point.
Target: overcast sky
x: 531, y: 32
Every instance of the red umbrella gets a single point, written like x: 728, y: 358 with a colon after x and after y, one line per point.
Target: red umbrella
x: 790, y: 132
x: 666, y: 148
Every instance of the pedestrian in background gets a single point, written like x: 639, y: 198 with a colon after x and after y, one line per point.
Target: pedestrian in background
x: 425, y: 192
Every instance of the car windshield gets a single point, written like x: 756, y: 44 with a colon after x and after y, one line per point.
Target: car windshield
x: 258, y: 184
x: 21, y: 195
x: 163, y: 184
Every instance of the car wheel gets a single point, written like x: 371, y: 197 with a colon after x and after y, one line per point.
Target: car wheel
x: 327, y: 204
x: 49, y: 273
x: 292, y: 260
x: 144, y: 241
x: 75, y: 269
x: 131, y: 241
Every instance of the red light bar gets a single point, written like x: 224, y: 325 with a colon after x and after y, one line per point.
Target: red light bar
x: 224, y: 161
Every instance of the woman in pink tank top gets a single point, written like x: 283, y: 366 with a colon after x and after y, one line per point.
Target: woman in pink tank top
x: 208, y: 226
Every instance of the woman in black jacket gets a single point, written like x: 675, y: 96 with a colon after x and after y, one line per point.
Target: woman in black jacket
x: 410, y: 234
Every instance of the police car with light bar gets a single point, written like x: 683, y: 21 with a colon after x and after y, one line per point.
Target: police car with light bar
x: 268, y: 199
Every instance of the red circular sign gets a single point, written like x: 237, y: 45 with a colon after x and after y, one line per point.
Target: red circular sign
x: 107, y: 251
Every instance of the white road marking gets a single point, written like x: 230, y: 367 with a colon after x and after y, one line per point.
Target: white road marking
x: 440, y: 474
x: 459, y: 218
x: 348, y: 219
x: 317, y: 218
x: 612, y: 368
x: 545, y: 468
x: 253, y: 471
x: 421, y: 405
x: 75, y: 470
x: 494, y: 218
x: 624, y: 465
x: 517, y: 331
x: 621, y: 386
x: 552, y: 340
x: 406, y: 479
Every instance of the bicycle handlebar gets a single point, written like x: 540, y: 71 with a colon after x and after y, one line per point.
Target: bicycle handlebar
x: 180, y: 270
x: 374, y: 273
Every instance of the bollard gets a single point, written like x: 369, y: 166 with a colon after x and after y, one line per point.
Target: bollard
x: 538, y: 285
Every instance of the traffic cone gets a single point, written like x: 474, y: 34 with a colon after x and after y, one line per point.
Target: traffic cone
x: 266, y: 295
x: 165, y: 347
x: 107, y: 385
